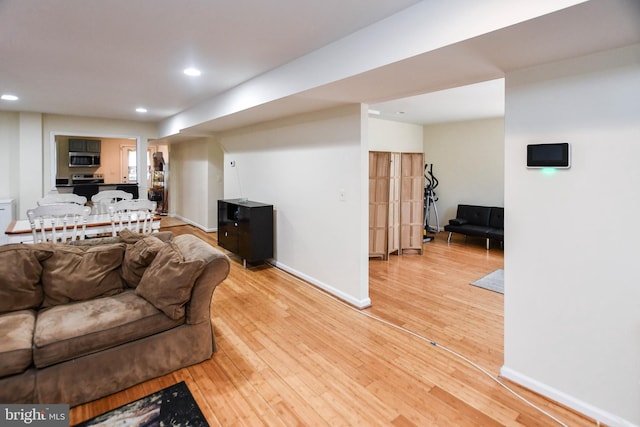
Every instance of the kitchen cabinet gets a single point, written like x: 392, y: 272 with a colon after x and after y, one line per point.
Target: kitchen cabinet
x: 246, y: 229
x: 7, y: 215
x: 84, y: 145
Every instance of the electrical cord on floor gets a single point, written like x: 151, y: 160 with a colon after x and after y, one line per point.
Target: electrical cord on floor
x: 465, y: 359
x: 448, y: 350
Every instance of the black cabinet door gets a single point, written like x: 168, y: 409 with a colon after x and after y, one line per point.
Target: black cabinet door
x: 227, y: 226
x: 228, y: 236
x: 255, y: 233
x: 77, y: 145
x: 93, y: 145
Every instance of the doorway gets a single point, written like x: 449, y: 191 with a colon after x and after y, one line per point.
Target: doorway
x: 128, y: 164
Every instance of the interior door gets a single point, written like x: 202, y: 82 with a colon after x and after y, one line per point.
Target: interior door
x: 393, y: 222
x: 412, y: 202
x: 379, y: 168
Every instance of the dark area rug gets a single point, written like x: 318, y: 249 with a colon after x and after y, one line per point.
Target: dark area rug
x: 493, y: 281
x: 172, y: 406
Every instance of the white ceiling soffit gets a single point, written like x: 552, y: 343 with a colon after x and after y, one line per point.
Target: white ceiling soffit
x: 579, y: 30
x: 106, y: 58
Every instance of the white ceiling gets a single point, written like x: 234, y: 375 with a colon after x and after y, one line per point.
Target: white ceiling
x: 476, y: 101
x: 100, y: 58
x: 105, y: 58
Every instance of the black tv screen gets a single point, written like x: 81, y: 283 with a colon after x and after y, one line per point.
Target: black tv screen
x: 548, y: 155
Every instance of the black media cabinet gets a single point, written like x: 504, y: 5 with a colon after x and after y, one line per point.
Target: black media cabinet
x: 246, y: 229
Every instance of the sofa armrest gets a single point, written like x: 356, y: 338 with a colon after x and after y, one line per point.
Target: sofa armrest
x: 216, y: 269
x: 458, y: 221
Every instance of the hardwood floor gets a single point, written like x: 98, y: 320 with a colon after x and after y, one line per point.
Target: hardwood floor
x: 289, y: 354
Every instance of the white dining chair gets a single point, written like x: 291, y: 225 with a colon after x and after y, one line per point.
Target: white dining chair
x: 102, y: 200
x: 55, y: 199
x: 136, y: 215
x: 58, y: 223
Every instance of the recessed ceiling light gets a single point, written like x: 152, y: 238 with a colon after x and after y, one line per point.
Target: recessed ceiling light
x: 141, y: 110
x: 194, y: 72
x: 8, y: 97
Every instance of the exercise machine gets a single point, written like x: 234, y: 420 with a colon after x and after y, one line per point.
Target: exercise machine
x: 430, y: 199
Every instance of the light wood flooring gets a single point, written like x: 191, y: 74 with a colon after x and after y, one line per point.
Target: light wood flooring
x: 289, y: 354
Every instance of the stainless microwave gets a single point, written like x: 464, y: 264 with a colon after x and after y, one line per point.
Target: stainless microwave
x: 83, y: 160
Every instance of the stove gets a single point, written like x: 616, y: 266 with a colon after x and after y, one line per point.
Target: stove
x: 87, y: 178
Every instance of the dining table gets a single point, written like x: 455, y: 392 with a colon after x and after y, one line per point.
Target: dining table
x: 19, y: 231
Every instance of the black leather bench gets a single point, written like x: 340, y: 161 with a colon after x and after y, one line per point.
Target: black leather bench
x: 478, y: 221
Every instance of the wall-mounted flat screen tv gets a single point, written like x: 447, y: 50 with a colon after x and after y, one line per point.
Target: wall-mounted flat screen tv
x: 556, y: 155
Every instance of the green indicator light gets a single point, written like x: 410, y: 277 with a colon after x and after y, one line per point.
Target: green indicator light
x: 549, y: 171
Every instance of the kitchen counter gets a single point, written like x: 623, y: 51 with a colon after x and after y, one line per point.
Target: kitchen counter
x: 103, y: 184
x: 89, y: 189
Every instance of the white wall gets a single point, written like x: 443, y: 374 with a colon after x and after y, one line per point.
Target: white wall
x: 572, y: 323
x: 195, y: 182
x: 29, y: 161
x: 9, y: 136
x: 468, y: 161
x: 398, y: 137
x: 299, y: 165
x: 21, y: 159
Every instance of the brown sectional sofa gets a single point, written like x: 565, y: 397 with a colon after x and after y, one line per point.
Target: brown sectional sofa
x: 81, y: 322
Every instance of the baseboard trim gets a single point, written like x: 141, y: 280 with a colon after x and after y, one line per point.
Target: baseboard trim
x: 578, y: 405
x: 361, y: 304
x: 364, y: 303
x: 195, y: 224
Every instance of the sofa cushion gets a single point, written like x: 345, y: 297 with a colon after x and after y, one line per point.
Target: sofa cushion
x: 476, y: 215
x: 96, y: 241
x: 131, y: 237
x: 496, y: 219
x: 20, y: 271
x: 496, y: 233
x: 72, y: 330
x: 458, y: 221
x: 468, y: 229
x: 81, y: 273
x: 137, y: 258
x: 169, y: 279
x: 16, y: 330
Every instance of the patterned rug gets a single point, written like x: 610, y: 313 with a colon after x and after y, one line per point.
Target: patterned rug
x: 172, y: 406
x: 492, y: 281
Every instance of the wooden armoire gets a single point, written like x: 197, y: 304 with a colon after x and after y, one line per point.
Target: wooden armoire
x: 396, y: 191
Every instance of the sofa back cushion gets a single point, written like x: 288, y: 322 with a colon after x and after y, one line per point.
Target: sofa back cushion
x: 475, y: 215
x: 76, y: 273
x: 20, y: 271
x: 137, y: 258
x: 168, y: 281
x: 497, y: 218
